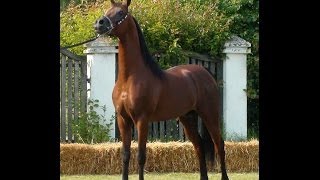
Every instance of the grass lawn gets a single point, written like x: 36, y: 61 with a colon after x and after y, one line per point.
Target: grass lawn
x: 164, y: 176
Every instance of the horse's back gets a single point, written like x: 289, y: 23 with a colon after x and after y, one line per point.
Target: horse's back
x: 183, y: 89
x: 197, y: 73
x: 202, y: 81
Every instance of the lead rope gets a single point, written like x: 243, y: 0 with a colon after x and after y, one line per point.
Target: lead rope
x: 74, y: 45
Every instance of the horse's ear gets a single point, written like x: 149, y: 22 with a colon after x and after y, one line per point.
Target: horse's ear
x: 126, y: 2
x: 112, y: 2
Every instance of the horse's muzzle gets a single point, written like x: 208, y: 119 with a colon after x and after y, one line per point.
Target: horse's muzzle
x: 103, y: 25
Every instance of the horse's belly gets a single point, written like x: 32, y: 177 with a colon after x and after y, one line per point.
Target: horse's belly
x: 172, y: 108
x: 166, y: 116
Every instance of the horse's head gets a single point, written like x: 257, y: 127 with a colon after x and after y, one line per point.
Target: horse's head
x: 114, y: 20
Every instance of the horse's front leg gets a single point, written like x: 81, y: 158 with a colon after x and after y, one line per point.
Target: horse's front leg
x: 125, y: 131
x: 142, y: 127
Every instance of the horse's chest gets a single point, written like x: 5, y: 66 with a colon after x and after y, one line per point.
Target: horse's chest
x: 121, y: 100
x: 127, y: 103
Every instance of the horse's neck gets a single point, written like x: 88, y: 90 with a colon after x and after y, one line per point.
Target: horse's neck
x: 130, y: 60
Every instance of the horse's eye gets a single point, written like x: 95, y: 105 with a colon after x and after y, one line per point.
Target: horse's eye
x: 120, y: 13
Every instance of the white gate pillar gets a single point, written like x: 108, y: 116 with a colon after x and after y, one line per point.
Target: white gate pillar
x: 101, y: 70
x: 235, y: 84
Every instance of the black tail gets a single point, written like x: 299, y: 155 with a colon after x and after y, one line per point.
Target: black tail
x: 208, y: 145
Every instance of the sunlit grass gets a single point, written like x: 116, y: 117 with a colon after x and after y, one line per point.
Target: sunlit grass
x: 165, y: 176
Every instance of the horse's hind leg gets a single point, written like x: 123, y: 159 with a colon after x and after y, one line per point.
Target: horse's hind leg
x: 210, y: 117
x: 191, y: 130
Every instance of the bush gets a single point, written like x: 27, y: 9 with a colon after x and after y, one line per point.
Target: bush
x: 88, y: 129
x: 166, y: 30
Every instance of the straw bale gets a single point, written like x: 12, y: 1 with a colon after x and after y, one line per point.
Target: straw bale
x: 106, y: 158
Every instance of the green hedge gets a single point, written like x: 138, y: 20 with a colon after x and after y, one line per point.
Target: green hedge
x: 174, y: 25
x: 169, y: 26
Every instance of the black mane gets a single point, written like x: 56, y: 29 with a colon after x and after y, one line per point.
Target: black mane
x: 148, y: 59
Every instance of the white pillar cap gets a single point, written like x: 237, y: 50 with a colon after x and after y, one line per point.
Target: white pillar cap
x: 237, y: 45
x: 102, y: 45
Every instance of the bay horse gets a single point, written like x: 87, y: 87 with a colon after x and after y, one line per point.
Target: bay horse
x: 144, y: 93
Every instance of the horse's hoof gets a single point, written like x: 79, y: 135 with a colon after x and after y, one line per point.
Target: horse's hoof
x: 204, y: 178
x: 224, y: 178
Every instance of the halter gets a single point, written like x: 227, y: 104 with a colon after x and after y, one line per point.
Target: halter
x: 112, y: 26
